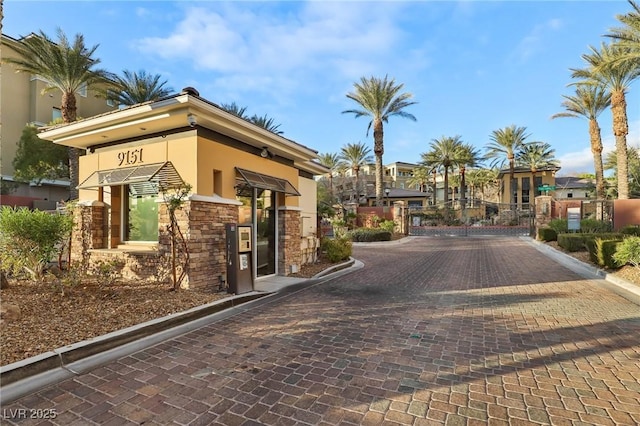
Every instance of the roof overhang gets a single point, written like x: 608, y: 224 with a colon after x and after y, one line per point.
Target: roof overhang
x: 183, y: 111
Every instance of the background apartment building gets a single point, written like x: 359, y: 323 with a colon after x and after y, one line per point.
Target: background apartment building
x: 22, y: 103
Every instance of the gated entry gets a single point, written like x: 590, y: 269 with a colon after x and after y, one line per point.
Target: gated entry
x: 476, y: 218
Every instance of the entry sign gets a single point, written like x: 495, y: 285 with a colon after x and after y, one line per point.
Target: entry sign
x: 573, y: 218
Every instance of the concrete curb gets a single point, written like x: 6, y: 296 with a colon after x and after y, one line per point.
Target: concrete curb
x: 23, y: 377
x: 621, y: 287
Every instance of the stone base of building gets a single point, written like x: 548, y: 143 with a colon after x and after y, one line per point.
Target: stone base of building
x: 202, y: 226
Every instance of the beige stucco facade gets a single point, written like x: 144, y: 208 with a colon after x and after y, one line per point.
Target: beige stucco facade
x: 525, y: 188
x: 212, y: 151
x: 22, y: 102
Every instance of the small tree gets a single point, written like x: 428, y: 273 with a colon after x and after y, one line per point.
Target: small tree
x: 174, y: 198
x: 36, y: 159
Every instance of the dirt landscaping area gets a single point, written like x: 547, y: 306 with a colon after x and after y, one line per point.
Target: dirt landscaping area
x: 39, y: 318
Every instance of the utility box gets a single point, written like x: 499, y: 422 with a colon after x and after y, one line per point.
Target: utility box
x: 239, y: 258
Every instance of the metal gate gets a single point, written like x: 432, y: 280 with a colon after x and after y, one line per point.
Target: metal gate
x: 474, y: 218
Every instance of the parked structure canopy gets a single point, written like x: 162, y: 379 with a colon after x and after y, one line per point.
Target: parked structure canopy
x: 143, y: 180
x: 251, y: 180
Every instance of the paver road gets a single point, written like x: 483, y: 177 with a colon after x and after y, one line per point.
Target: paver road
x: 437, y: 330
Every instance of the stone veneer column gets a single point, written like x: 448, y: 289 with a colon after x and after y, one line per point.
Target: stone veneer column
x: 88, y: 230
x: 202, y: 223
x: 289, y: 253
x: 543, y: 212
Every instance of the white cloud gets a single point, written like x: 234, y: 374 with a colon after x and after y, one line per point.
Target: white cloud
x: 246, y: 49
x: 533, y: 43
x: 582, y: 161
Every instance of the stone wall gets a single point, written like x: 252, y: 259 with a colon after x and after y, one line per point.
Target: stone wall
x: 203, y: 227
x: 289, y: 244
x: 139, y: 266
x: 88, y: 230
x: 544, y: 212
x: 202, y: 224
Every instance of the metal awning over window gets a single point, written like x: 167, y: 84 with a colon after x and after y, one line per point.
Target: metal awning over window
x: 249, y: 180
x: 142, y: 180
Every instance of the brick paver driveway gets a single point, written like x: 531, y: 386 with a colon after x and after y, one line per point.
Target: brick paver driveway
x: 455, y: 331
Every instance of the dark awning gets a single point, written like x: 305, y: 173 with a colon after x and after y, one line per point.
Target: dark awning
x: 142, y: 180
x: 249, y: 180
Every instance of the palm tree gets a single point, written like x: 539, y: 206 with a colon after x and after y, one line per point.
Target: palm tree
x: 236, y: 110
x: 616, y: 80
x: 633, y: 154
x: 380, y: 99
x: 628, y: 36
x: 503, y: 147
x: 332, y: 162
x: 536, y: 156
x: 420, y: 178
x: 469, y: 156
x: 444, y: 155
x: 137, y: 87
x: 66, y: 66
x: 478, y: 179
x: 589, y: 102
x: 354, y: 156
x: 266, y: 123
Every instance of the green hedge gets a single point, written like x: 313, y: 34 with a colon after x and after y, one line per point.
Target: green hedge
x: 547, y: 234
x: 593, y: 226
x: 571, y: 242
x: 561, y: 226
x: 367, y: 235
x: 631, y: 230
x: 587, y: 226
x: 602, y: 249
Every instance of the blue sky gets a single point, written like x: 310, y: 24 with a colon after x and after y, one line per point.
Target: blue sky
x: 472, y: 66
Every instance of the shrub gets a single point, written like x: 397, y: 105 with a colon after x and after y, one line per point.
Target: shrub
x: 631, y: 230
x: 547, y: 234
x: 29, y: 239
x: 387, y: 225
x: 593, y: 226
x: 367, y: 235
x: 561, y: 226
x: 571, y: 242
x: 628, y: 251
x: 606, y: 251
x: 108, y: 272
x: 337, y: 249
x: 601, y: 250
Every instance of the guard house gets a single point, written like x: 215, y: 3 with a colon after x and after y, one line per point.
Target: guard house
x: 238, y: 173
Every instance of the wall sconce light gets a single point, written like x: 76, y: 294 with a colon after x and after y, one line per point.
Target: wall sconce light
x: 191, y: 119
x: 265, y: 153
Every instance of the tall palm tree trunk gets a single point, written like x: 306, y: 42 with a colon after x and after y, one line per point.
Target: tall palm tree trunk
x: 463, y: 195
x: 69, y: 110
x: 620, y: 130
x: 511, y: 175
x: 378, y: 150
x: 596, y: 150
x: 357, y: 190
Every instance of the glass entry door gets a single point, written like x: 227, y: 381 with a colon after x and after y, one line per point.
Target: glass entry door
x: 265, y: 224
x: 259, y: 210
